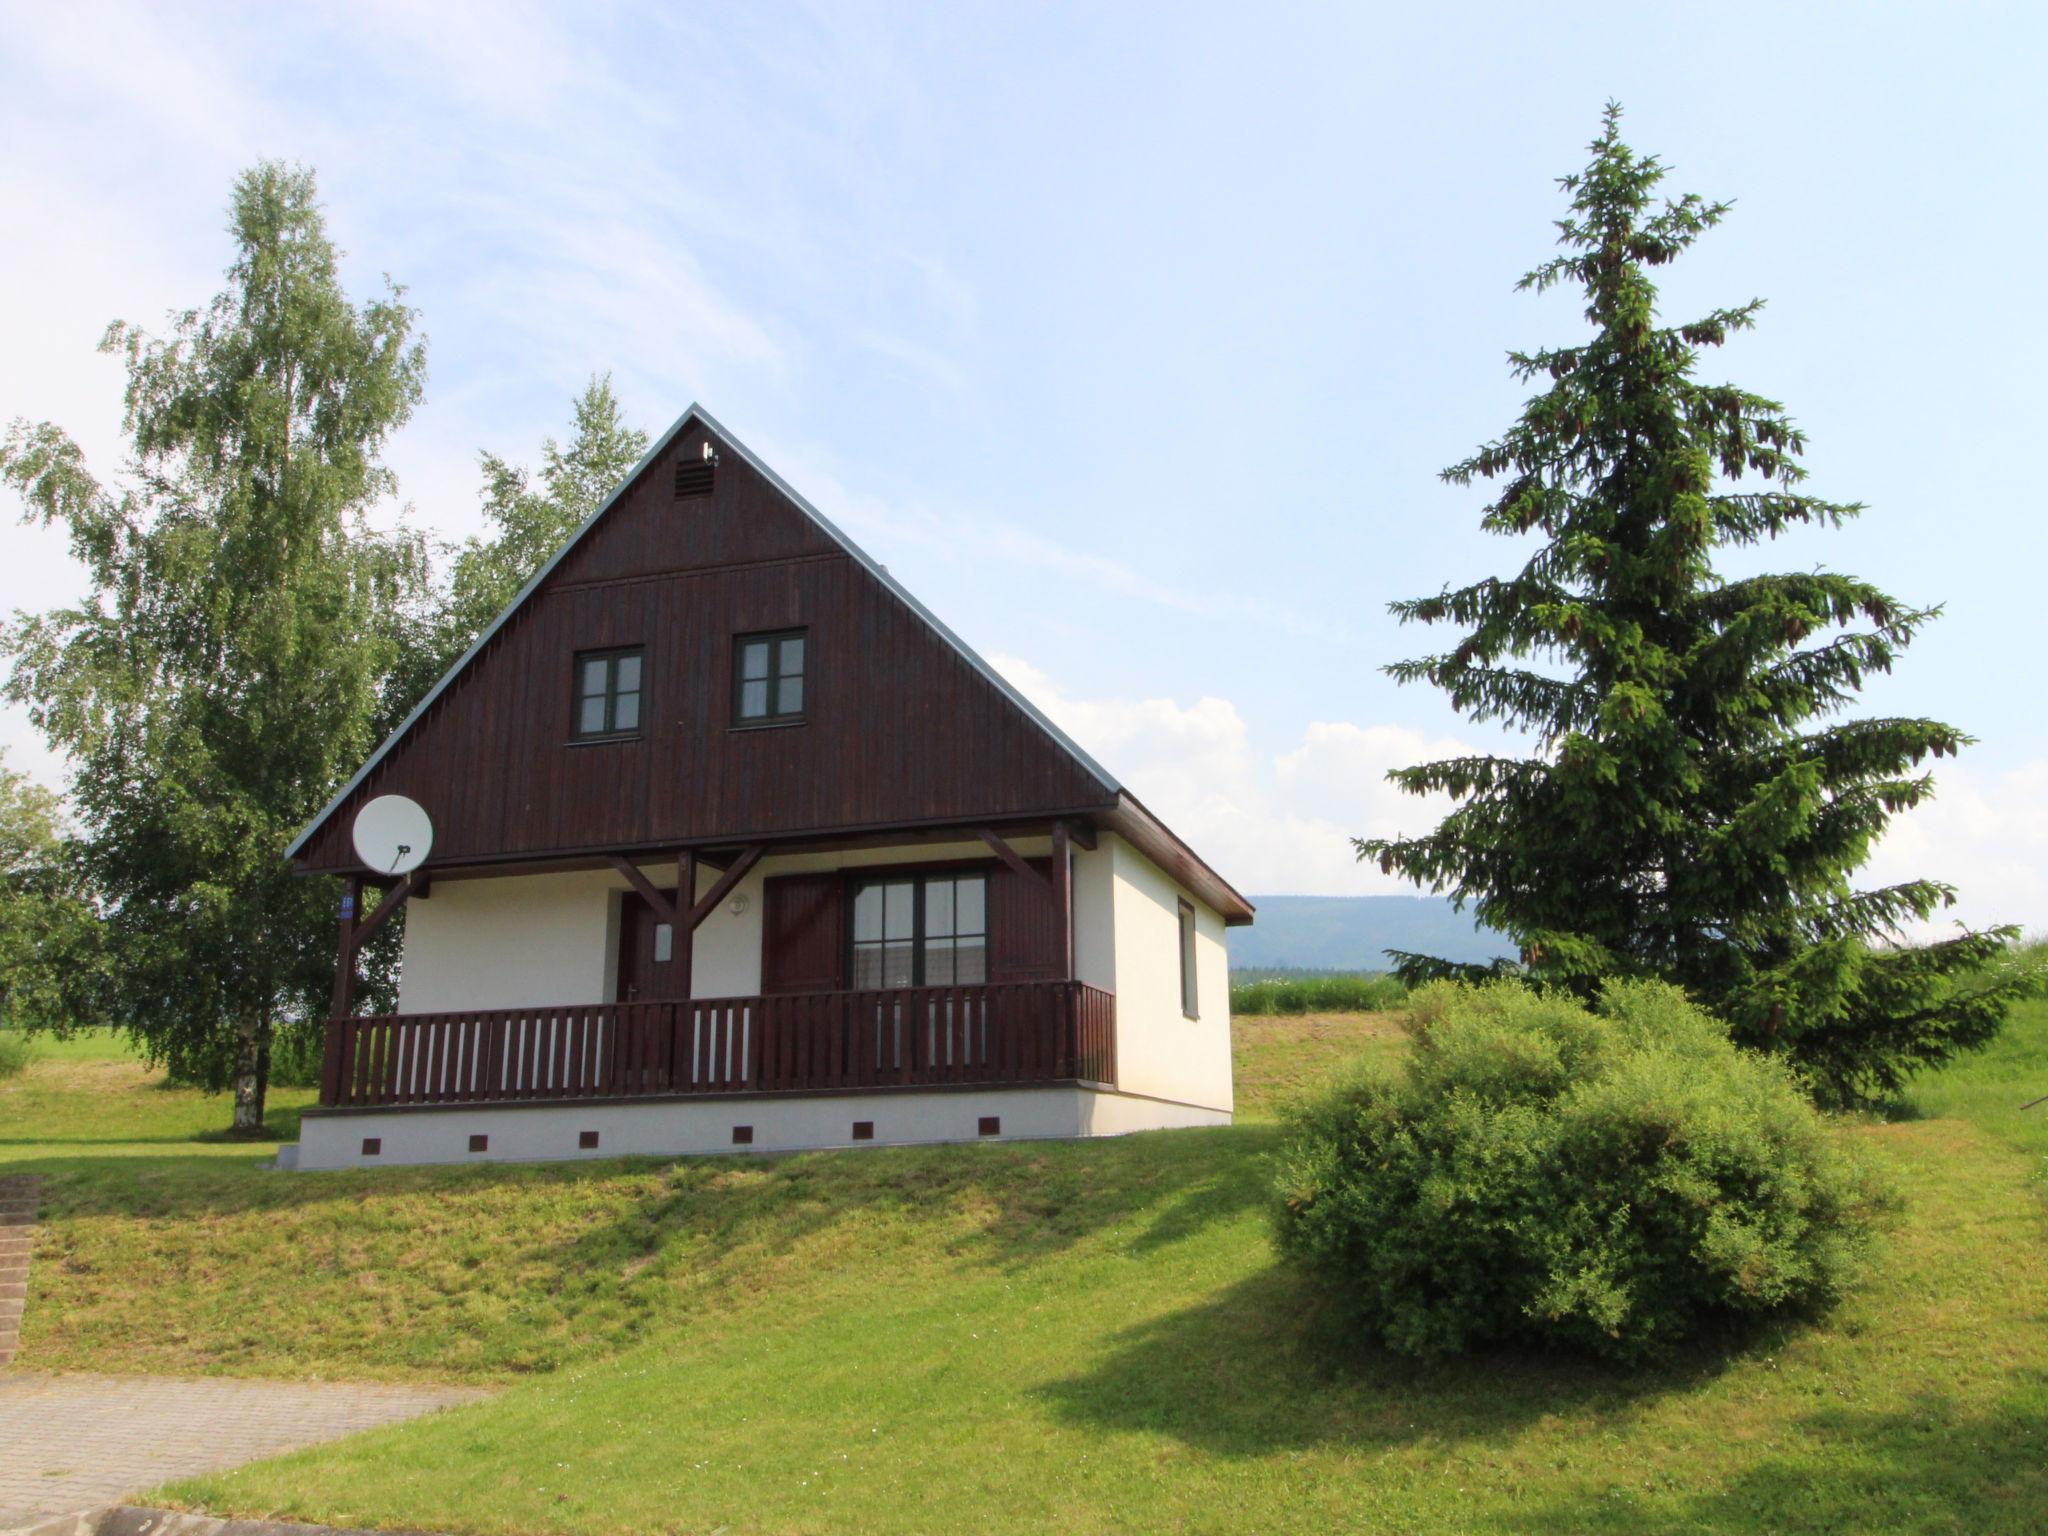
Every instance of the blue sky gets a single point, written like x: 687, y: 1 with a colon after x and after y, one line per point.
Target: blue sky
x: 1131, y: 337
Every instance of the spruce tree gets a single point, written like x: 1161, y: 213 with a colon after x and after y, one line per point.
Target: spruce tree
x: 1698, y: 798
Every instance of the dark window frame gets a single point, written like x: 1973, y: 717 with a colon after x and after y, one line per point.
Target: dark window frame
x: 1190, y: 979
x: 611, y: 656
x: 918, y: 876
x: 775, y: 680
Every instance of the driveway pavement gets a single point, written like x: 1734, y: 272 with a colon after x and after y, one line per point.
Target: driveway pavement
x: 77, y: 1442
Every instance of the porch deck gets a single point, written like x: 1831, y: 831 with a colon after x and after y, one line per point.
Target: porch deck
x: 923, y: 1037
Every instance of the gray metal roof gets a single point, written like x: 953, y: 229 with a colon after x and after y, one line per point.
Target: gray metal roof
x: 696, y: 413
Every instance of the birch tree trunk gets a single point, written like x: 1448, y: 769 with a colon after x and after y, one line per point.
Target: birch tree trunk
x: 251, y: 1047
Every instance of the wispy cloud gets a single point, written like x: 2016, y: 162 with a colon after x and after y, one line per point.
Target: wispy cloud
x: 1277, y: 825
x: 963, y: 537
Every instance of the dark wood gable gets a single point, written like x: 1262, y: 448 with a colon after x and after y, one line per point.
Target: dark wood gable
x: 899, y: 728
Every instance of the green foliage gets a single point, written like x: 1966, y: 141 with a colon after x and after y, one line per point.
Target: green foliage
x: 1611, y: 1181
x: 529, y: 523
x: 15, y: 1052
x: 1315, y: 992
x: 223, y: 673
x: 51, y: 957
x: 1684, y: 813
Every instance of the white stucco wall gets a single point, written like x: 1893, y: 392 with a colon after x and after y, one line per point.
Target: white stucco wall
x: 1095, y: 915
x: 511, y: 941
x: 1159, y: 1050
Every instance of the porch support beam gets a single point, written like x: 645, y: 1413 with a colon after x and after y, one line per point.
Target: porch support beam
x: 1014, y: 859
x: 664, y: 909
x: 394, y: 898
x: 357, y: 930
x: 685, y: 939
x: 344, y: 1000
x: 733, y: 875
x: 1063, y: 894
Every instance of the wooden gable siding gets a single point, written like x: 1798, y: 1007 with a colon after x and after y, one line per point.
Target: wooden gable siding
x: 899, y: 727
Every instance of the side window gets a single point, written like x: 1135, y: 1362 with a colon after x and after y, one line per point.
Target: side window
x: 1190, y: 993
x: 768, y: 677
x: 607, y: 701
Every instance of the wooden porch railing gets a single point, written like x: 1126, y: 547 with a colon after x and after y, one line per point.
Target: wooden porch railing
x: 1007, y: 1032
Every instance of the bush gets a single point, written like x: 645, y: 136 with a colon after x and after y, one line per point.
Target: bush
x: 296, y: 1055
x: 14, y: 1052
x: 1324, y: 993
x: 1611, y: 1181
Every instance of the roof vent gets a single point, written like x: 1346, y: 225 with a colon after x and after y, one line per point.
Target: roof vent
x: 694, y: 477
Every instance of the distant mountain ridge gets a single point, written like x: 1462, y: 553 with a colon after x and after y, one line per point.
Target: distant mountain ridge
x: 1353, y: 933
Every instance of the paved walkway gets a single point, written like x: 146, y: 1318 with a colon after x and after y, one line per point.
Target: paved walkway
x: 76, y: 1442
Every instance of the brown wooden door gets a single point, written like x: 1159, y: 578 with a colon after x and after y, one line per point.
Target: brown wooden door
x: 650, y: 953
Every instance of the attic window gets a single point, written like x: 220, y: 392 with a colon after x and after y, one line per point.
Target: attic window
x: 607, y: 701
x: 768, y: 677
x: 694, y: 477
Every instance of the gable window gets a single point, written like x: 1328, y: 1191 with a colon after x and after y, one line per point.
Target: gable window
x: 768, y: 677
x: 607, y: 693
x: 1190, y: 1003
x: 920, y: 931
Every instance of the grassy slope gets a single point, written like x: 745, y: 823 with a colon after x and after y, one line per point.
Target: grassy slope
x: 1086, y: 1336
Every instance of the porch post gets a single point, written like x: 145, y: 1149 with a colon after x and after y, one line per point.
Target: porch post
x: 685, y: 926
x: 345, y: 959
x: 1063, y: 894
x: 344, y: 1000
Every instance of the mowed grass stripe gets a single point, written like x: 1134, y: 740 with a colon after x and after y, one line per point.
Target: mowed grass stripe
x: 1074, y: 1337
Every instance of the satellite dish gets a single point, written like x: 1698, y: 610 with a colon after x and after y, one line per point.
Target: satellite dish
x: 393, y: 835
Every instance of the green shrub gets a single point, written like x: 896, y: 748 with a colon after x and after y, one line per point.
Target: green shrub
x: 295, y: 1056
x: 1325, y: 993
x: 1610, y: 1181
x: 14, y: 1052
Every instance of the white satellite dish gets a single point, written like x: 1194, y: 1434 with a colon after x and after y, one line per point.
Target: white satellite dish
x: 393, y: 835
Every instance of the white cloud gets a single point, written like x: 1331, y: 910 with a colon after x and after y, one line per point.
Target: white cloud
x: 1271, y: 825
x: 1283, y: 824
x: 1986, y: 834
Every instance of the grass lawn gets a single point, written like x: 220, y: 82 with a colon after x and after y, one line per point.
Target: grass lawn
x: 997, y: 1338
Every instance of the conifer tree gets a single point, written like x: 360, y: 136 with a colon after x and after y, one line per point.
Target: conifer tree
x: 1698, y: 799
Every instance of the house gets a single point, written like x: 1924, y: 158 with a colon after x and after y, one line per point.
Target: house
x: 735, y: 845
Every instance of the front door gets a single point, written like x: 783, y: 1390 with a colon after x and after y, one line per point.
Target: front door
x: 650, y: 968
